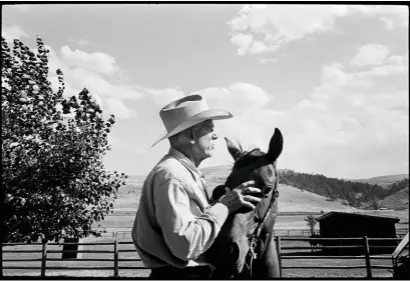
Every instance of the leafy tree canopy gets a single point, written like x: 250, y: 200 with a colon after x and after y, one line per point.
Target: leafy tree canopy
x: 54, y: 181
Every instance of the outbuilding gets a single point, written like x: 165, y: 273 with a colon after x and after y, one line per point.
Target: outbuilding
x: 349, y: 225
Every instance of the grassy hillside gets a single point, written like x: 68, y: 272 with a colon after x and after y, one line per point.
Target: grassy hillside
x: 384, y: 181
x: 291, y: 199
x: 355, y: 193
x: 397, y: 201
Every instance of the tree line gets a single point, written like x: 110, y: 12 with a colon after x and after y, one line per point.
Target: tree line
x: 355, y: 193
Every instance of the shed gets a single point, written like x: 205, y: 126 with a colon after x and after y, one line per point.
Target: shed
x: 345, y: 225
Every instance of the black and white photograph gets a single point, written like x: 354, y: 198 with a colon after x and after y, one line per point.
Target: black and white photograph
x: 205, y: 140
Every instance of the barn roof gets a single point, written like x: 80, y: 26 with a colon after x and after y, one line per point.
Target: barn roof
x: 325, y: 216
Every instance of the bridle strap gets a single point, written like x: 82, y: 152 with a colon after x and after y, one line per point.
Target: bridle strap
x: 255, y: 238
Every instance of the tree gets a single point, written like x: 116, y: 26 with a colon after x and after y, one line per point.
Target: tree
x: 54, y: 181
x: 311, y: 222
x: 375, y: 204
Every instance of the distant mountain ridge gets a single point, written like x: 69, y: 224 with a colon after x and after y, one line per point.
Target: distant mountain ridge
x: 384, y: 181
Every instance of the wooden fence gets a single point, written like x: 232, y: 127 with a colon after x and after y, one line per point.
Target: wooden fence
x: 401, y: 232
x: 284, y: 252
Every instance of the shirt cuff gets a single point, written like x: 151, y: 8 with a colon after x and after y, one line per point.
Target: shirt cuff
x: 219, y: 212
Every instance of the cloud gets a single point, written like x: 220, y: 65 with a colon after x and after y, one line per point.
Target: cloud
x: 99, y: 73
x: 395, y: 65
x: 391, y: 15
x: 239, y: 98
x: 372, y: 54
x: 80, y: 42
x: 353, y: 115
x: 13, y: 32
x: 243, y: 42
x: 117, y: 107
x: 259, y: 29
x: 276, y: 27
x: 96, y: 62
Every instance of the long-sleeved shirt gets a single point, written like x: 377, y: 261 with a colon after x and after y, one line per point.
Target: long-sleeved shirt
x: 175, y: 223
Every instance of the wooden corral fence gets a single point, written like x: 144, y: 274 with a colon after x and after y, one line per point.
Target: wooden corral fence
x: 401, y: 232
x: 279, y: 232
x: 292, y: 232
x: 292, y: 252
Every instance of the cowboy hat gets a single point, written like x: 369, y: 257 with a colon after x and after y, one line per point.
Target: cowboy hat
x: 187, y: 112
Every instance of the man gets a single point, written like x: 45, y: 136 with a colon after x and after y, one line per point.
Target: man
x: 175, y: 224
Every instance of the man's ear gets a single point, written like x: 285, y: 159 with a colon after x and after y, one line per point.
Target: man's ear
x: 190, y: 134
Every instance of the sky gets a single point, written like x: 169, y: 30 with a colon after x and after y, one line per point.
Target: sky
x: 332, y: 78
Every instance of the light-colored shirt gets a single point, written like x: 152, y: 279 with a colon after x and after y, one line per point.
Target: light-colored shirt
x: 175, y: 223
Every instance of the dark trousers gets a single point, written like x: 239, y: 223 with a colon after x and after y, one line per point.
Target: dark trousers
x: 172, y: 273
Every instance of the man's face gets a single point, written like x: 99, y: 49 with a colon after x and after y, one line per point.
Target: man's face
x: 204, y: 137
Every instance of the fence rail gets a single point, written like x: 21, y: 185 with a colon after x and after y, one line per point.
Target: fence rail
x: 283, y: 254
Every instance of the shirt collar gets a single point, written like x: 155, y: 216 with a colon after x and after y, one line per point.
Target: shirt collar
x: 185, y: 161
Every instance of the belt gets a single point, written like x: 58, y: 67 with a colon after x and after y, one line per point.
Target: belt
x: 190, y: 272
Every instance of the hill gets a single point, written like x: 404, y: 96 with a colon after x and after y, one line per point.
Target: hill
x: 396, y: 201
x: 292, y: 199
x: 355, y: 193
x: 383, y: 181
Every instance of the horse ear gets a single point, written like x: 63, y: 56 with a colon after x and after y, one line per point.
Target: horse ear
x: 233, y: 150
x: 275, y: 145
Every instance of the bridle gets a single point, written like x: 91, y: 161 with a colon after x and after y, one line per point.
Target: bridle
x: 257, y: 245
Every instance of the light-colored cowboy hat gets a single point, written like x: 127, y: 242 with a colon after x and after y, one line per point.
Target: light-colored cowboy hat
x: 187, y: 112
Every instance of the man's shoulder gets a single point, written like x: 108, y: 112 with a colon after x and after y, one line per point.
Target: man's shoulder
x: 169, y: 168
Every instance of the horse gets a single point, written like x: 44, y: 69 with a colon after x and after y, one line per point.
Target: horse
x: 245, y: 248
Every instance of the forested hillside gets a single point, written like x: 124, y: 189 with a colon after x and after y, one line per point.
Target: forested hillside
x: 355, y: 193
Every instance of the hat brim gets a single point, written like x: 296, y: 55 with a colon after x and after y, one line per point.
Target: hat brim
x: 213, y: 114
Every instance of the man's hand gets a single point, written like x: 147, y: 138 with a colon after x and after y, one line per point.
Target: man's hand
x: 240, y: 197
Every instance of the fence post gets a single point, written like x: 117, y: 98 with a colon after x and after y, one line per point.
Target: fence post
x: 367, y: 256
x: 116, y: 258
x: 277, y: 240
x: 44, y: 259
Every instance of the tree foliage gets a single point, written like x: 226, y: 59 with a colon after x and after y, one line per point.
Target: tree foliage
x: 54, y: 181
x: 311, y: 222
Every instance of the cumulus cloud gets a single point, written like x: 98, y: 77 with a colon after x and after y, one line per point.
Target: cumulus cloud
x: 391, y: 15
x: 243, y: 42
x: 13, y: 32
x: 96, y: 62
x: 98, y: 72
x: 276, y: 27
x: 259, y: 29
x: 349, y: 117
x: 239, y: 98
x: 372, y: 54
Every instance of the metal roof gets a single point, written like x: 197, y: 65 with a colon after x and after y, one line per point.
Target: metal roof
x: 395, y: 219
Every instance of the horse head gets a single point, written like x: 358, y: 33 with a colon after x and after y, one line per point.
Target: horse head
x: 230, y: 250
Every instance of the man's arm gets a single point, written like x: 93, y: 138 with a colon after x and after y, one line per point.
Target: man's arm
x: 186, y: 235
